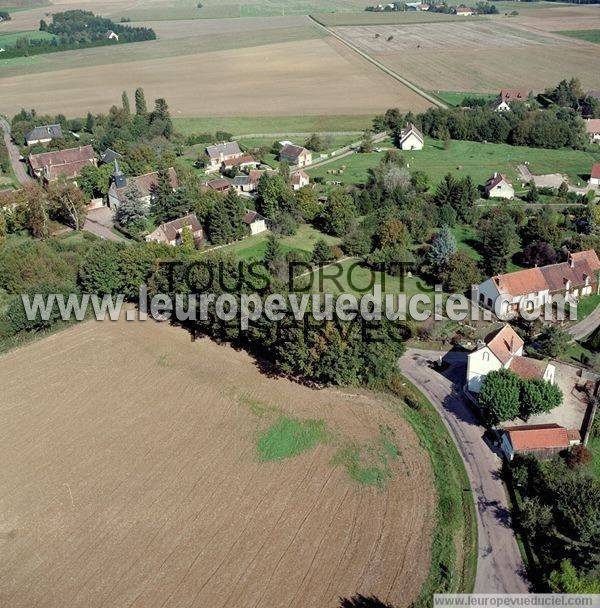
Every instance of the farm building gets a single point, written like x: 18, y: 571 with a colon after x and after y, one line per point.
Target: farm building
x: 300, y: 179
x: 43, y: 134
x: 503, y: 349
x: 249, y: 183
x: 499, y: 186
x: 49, y: 166
x: 464, y: 11
x: 241, y: 162
x: 595, y: 175
x: 543, y: 440
x: 112, y: 35
x: 296, y: 156
x: 256, y: 222
x: 592, y: 128
x: 508, y: 96
x: 218, y: 185
x: 536, y: 287
x: 170, y: 233
x: 146, y: 184
x: 220, y: 153
x: 411, y: 138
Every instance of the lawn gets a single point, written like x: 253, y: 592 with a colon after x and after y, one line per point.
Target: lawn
x: 479, y: 160
x: 272, y: 125
x: 453, y: 98
x: 586, y: 306
x: 587, y: 35
x: 335, y: 142
x: 594, y: 447
x: 254, y: 247
x: 10, y: 38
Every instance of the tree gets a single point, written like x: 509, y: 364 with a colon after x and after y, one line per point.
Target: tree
x: 284, y: 171
x: 141, y: 109
x: 315, y: 143
x: 187, y: 239
x: 533, y: 195
x: 538, y: 396
x: 100, y: 270
x: 499, y: 396
x: 131, y: 211
x: 37, y: 211
x: 307, y: 203
x: 553, y: 341
x: 461, y: 272
x: 568, y: 580
x: 160, y: 118
x: 539, y: 254
x: 67, y: 204
x: 235, y: 210
x: 125, y: 103
x: 321, y: 253
x: 361, y: 601
x: 442, y: 249
x: 273, y: 195
x: 90, y: 122
x: 338, y: 212
x: 273, y: 252
x: 219, y: 225
x: 162, y: 195
x: 499, y: 239
x: 366, y: 144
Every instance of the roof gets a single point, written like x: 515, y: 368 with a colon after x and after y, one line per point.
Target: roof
x: 241, y: 180
x: 538, y: 436
x: 496, y: 180
x: 297, y: 176
x: 508, y: 95
x: 595, y: 94
x: 218, y: 184
x: 580, y: 266
x: 463, y: 9
x: 504, y: 343
x: 245, y: 159
x: 148, y: 182
x: 595, y: 173
x: 528, y: 368
x: 228, y: 148
x: 61, y: 157
x: 592, y: 125
x: 109, y: 155
x: 410, y: 129
x: 171, y: 229
x: 44, y: 132
x: 292, y: 151
x: 253, y: 216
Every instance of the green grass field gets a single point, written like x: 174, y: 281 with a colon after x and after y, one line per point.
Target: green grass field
x: 276, y: 125
x: 464, y: 158
x: 594, y: 447
x: 587, y: 35
x: 10, y: 38
x: 289, y: 437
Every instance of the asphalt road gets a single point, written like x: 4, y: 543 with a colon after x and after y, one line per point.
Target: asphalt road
x: 585, y: 327
x: 500, y: 568
x: 19, y: 168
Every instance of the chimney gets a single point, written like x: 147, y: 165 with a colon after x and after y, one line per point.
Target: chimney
x: 571, y: 261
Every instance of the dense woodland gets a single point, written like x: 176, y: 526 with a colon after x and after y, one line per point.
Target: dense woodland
x: 76, y: 29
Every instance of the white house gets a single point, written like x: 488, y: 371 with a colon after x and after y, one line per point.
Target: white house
x: 170, y: 233
x: 112, y: 35
x: 536, y: 287
x: 464, y: 11
x: 220, y: 153
x: 592, y: 128
x: 299, y: 179
x: 503, y: 349
x: 499, y: 186
x: 256, y: 222
x: 295, y: 156
x: 595, y: 175
x: 411, y: 138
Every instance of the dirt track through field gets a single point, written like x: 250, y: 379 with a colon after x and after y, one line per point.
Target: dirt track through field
x: 130, y: 478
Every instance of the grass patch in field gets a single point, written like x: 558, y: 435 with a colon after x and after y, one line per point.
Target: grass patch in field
x: 289, y: 437
x: 453, y: 98
x: 456, y: 525
x: 576, y: 353
x: 386, y: 18
x: 335, y: 142
x: 275, y: 125
x: 369, y: 464
x: 479, y: 160
x: 587, y: 305
x: 587, y: 35
x: 9, y: 39
x: 594, y: 447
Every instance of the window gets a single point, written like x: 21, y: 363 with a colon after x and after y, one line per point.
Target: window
x: 486, y: 356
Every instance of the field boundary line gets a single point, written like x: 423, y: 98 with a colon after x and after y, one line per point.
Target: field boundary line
x: 383, y: 68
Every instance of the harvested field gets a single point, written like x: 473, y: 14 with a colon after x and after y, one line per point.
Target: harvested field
x: 252, y: 81
x: 479, y: 57
x: 138, y: 471
x: 561, y: 18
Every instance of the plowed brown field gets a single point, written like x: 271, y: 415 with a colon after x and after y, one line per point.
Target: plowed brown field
x: 130, y: 478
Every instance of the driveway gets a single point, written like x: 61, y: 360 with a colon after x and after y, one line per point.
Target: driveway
x: 100, y: 222
x: 500, y: 568
x: 19, y: 168
x: 586, y: 326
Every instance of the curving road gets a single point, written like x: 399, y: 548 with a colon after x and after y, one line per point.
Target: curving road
x: 500, y: 568
x: 19, y: 168
x: 586, y: 326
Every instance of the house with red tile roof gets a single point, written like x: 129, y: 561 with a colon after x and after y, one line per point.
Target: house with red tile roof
x: 464, y: 11
x: 170, y: 233
x: 534, y: 288
x: 146, y: 185
x: 595, y: 175
x: 592, y: 128
x: 543, y: 440
x: 295, y: 156
x: 508, y: 96
x: 49, y: 166
x: 503, y: 349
